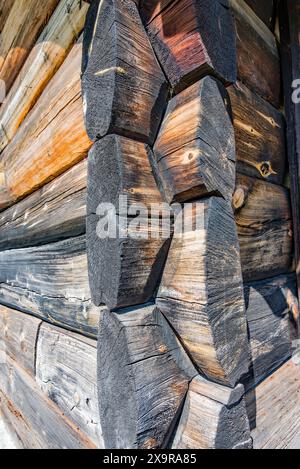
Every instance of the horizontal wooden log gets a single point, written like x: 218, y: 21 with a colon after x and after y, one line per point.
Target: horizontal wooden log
x: 18, y: 337
x: 264, y: 10
x: 141, y: 387
x: 195, y: 148
x: 22, y: 28
x: 125, y: 264
x: 124, y: 88
x: 50, y: 282
x: 258, y: 57
x: 54, y: 212
x: 213, y: 417
x: 260, y: 135
x: 66, y: 371
x: 192, y: 38
x: 264, y: 225
x: 201, y: 292
x: 5, y: 7
x: 53, y: 45
x: 273, y: 322
x: 274, y: 409
x: 55, y: 127
x: 36, y: 419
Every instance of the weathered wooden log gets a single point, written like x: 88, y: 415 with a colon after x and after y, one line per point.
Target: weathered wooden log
x: 195, y: 148
x: 50, y: 282
x: 260, y: 135
x: 258, y: 58
x: 124, y: 89
x: 141, y: 385
x: 54, y: 212
x: 273, y: 322
x: 5, y: 7
x: 289, y: 38
x: 52, y: 47
x: 264, y: 10
x: 18, y: 337
x: 213, y: 417
x: 22, y: 28
x: 36, y: 419
x: 264, y: 225
x: 51, y: 139
x: 201, y: 292
x: 125, y: 260
x: 192, y: 39
x: 66, y: 371
x: 274, y: 409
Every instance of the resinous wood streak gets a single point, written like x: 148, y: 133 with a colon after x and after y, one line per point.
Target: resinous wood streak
x: 124, y: 88
x: 201, y: 293
x: 195, y: 148
x: 192, y: 38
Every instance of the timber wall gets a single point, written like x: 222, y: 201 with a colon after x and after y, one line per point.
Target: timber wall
x: 178, y: 107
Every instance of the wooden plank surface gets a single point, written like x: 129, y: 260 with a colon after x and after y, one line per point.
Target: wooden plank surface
x: 289, y: 15
x: 258, y: 57
x: 36, y: 419
x: 50, y: 282
x: 264, y: 225
x: 54, y: 212
x: 22, y: 28
x: 260, y: 135
x: 66, y: 371
x: 201, y: 292
x: 124, y: 89
x: 195, y: 148
x: 51, y: 139
x: 5, y: 7
x: 265, y: 10
x: 46, y: 57
x: 192, y: 38
x: 18, y: 337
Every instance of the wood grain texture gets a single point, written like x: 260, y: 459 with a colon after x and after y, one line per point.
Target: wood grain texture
x: 124, y: 88
x: 192, y: 39
x: 264, y: 226
x: 141, y: 387
x: 265, y: 10
x: 260, y: 135
x: 36, y: 419
x: 258, y: 57
x: 18, y: 337
x: 290, y: 46
x: 274, y: 409
x: 52, y: 47
x: 273, y: 320
x: 50, y: 282
x: 5, y: 7
x: 213, y: 417
x: 125, y: 266
x: 201, y: 293
x: 51, y: 139
x: 54, y: 212
x: 22, y: 28
x: 195, y: 149
x: 66, y: 371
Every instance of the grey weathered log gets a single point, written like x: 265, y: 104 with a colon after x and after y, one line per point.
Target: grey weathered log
x: 142, y: 380
x: 213, y: 417
x: 124, y: 89
x: 18, y: 337
x: 66, y: 371
x: 123, y: 270
x: 195, y: 148
x: 35, y: 418
x: 54, y: 212
x: 192, y: 38
x: 273, y: 321
x: 264, y: 226
x: 50, y: 282
x: 201, y: 292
